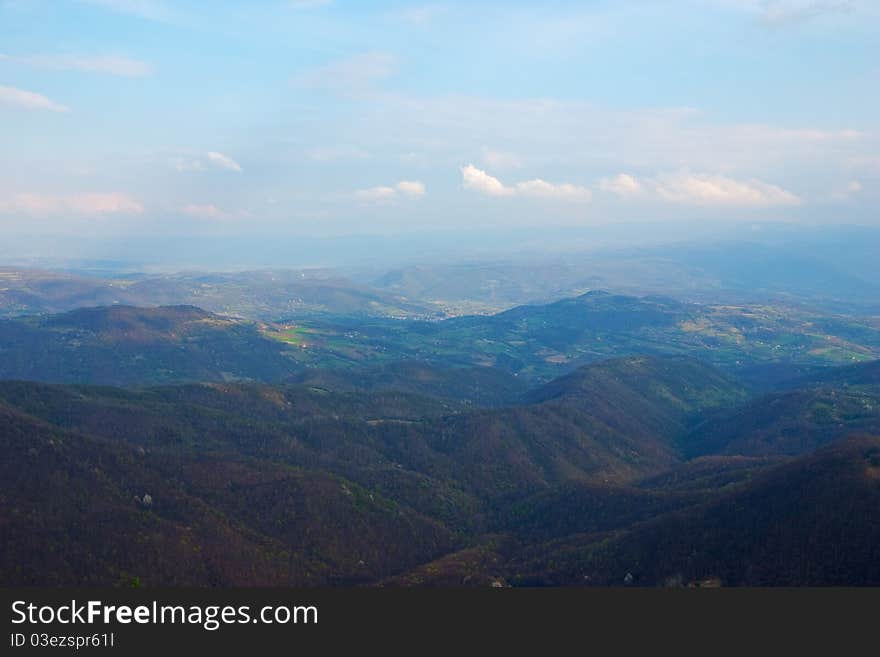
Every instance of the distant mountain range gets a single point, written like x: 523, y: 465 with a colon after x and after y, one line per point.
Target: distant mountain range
x: 826, y: 270
x: 255, y: 295
x: 124, y: 345
x: 831, y: 269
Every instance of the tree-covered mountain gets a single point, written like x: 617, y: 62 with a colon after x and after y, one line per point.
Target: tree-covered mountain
x: 87, y: 510
x: 858, y: 374
x: 480, y: 386
x: 583, y: 480
x: 815, y: 520
x: 787, y: 423
x: 123, y: 345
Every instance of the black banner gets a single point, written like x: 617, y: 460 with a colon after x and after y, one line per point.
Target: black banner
x: 279, y: 621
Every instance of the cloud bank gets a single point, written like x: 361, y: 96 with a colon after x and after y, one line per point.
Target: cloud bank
x: 479, y: 181
x: 408, y: 188
x: 700, y: 189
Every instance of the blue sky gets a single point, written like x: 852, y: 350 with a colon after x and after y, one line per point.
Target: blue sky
x: 316, y: 118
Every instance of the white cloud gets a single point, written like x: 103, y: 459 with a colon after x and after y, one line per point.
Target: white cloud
x: 699, y: 189
x: 479, y: 181
x: 381, y: 193
x: 352, y: 76
x: 703, y: 189
x: 85, y: 204
x: 111, y: 65
x: 410, y: 188
x: 622, y: 184
x: 543, y: 189
x: 223, y: 161
x: 29, y: 100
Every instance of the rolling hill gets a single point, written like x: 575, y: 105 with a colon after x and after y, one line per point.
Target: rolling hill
x: 84, y: 510
x: 122, y: 345
x: 787, y: 423
x: 541, y: 342
x: 813, y: 521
